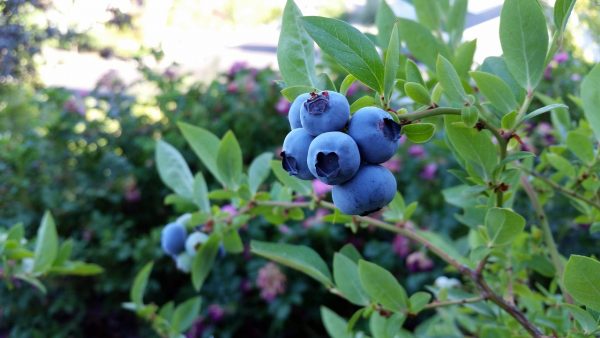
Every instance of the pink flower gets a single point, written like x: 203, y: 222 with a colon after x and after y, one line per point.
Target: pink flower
x: 401, y: 246
x: 271, y: 281
x: 284, y: 229
x: 282, y: 106
x: 237, y: 66
x: 75, y: 105
x: 320, y: 188
x: 418, y: 261
x: 393, y: 164
x: 429, y: 171
x: 352, y: 89
x: 561, y: 57
x: 230, y: 209
x: 416, y: 150
x: 232, y: 87
x: 548, y: 73
x: 403, y: 139
x: 316, y: 219
x: 216, y: 312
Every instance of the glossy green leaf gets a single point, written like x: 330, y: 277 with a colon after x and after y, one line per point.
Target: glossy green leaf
x: 428, y: 13
x: 139, y: 284
x: 46, y: 245
x: 450, y: 81
x: 384, y: 20
x: 463, y: 57
x: 580, y: 145
x: 297, y: 257
x: 382, y: 286
x: 413, y: 73
x: 200, y: 191
x: 386, y: 327
x: 64, y: 253
x: 295, y: 50
x: 581, y: 278
x: 364, y: 101
x: 495, y: 90
x: 296, y: 184
x: 391, y: 64
x: 584, y: 318
x: 562, y: 11
x: 524, y: 40
x: 346, y: 83
x: 544, y: 109
x: 259, y: 171
x: 232, y: 242
x: 204, y: 144
x: 418, y: 301
x: 229, y: 161
x: 16, y: 232
x: 77, y: 268
x: 204, y: 260
x: 334, y: 324
x: 291, y: 93
x: 509, y: 120
x: 421, y: 43
x: 350, y: 251
x: 419, y: 132
x: 185, y: 314
x: 497, y: 66
x: 561, y: 164
x: 173, y: 170
x: 470, y: 116
x: 503, y: 225
x: 349, y: 47
x: 590, y: 94
x: 325, y: 83
x: 345, y: 275
x: 418, y: 93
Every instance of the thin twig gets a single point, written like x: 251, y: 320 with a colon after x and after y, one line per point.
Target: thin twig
x: 434, y: 305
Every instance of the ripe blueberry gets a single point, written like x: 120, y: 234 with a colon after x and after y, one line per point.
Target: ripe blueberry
x: 172, y: 238
x: 294, y: 152
x: 333, y: 157
x: 375, y: 133
x: 294, y: 113
x: 327, y: 111
x: 372, y: 188
x: 194, y: 241
x: 183, y: 262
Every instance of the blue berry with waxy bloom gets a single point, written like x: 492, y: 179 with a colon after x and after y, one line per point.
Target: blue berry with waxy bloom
x: 294, y: 152
x: 323, y: 112
x: 194, y: 241
x: 294, y: 112
x: 172, y: 238
x: 376, y: 134
x: 333, y: 157
x: 372, y: 188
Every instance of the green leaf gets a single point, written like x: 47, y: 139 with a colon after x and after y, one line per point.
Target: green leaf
x: 503, y: 225
x: 584, y: 318
x: 446, y: 245
x: 524, y: 40
x: 463, y: 57
x: 139, y: 284
x: 33, y: 281
x: 428, y: 13
x: 386, y: 327
x: 497, y: 66
x: 300, y: 186
x: 166, y: 311
x: 418, y: 301
x: 470, y: 116
x: 595, y: 227
x: 495, y: 90
x: 384, y: 20
x: 365, y: 101
x: 450, y: 81
x: 421, y: 43
x: 325, y: 83
x: 229, y: 161
x: 456, y: 21
x: 417, y: 92
x: 346, y: 83
x: 232, y: 241
x: 413, y: 74
x: 185, y: 314
x: 561, y: 164
x: 64, y: 253
x: 297, y: 257
x: 204, y: 260
x: 509, y: 120
x: 349, y: 47
x: 173, y: 170
x: 46, y: 245
x: 295, y: 50
x: 590, y: 94
x: 382, y: 286
x: 392, y: 64
x: 204, y: 144
x: 345, y: 274
x: 544, y: 109
x: 581, y: 278
x: 334, y: 324
x: 519, y: 155
x: 350, y: 251
x: 474, y: 146
x: 580, y: 145
x: 200, y: 191
x: 291, y: 93
x: 419, y: 132
x: 77, y: 268
x: 16, y: 233
x: 259, y: 171
x: 562, y: 11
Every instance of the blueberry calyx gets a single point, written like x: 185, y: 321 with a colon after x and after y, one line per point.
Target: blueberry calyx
x: 289, y: 164
x: 390, y: 129
x: 327, y: 165
x: 317, y: 104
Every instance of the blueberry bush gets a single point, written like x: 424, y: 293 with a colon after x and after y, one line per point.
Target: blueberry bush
x: 505, y: 273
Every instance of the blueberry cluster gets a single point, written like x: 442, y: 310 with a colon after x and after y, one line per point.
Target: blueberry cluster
x: 325, y: 143
x: 176, y: 242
